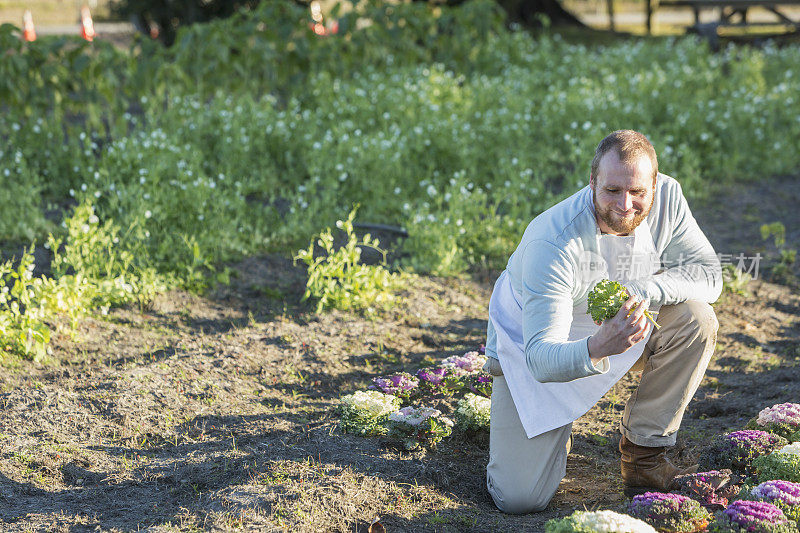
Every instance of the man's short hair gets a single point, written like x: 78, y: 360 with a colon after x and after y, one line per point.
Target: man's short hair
x: 630, y: 145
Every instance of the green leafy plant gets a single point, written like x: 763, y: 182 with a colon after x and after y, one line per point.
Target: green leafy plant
x: 93, y: 255
x: 251, y: 132
x: 782, y: 270
x: 473, y: 413
x: 365, y: 413
x: 338, y: 280
x: 735, y: 281
x: 23, y: 330
x: 415, y: 427
x: 780, y: 464
x: 605, y: 300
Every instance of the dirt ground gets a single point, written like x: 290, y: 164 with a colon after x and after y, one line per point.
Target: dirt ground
x: 215, y: 412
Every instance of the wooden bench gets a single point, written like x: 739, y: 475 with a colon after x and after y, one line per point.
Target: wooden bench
x: 732, y: 14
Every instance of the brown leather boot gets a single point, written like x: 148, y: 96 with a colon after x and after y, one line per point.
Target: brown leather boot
x: 647, y: 468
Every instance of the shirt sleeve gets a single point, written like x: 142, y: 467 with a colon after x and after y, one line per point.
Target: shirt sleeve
x: 690, y: 267
x: 547, y: 281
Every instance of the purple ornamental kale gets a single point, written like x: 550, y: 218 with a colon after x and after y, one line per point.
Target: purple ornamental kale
x: 480, y: 384
x: 669, y: 512
x: 778, y: 490
x: 432, y: 376
x: 439, y: 380
x: 737, y: 450
x: 402, y: 384
x: 482, y: 349
x: 750, y: 516
x: 783, y: 494
x: 712, y: 489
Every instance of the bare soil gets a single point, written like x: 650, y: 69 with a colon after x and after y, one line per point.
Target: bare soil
x: 215, y: 412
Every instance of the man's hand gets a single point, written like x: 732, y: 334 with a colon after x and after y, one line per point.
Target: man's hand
x: 619, y: 333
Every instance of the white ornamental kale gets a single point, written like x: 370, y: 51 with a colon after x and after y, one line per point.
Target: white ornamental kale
x: 599, y: 521
x: 364, y: 412
x: 473, y: 412
x: 416, y: 416
x: 790, y: 449
x: 371, y: 403
x: 418, y: 427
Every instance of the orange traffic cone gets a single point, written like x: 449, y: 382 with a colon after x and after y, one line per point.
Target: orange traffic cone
x: 28, y: 33
x: 87, y: 26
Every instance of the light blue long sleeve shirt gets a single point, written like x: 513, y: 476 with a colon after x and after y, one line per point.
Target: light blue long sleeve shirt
x: 544, y: 272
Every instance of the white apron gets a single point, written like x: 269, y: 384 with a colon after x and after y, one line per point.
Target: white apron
x: 546, y: 406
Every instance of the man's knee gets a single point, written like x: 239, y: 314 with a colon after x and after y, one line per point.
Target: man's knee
x: 517, y: 499
x: 697, y: 317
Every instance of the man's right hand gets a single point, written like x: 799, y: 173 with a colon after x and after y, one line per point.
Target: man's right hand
x: 619, y: 333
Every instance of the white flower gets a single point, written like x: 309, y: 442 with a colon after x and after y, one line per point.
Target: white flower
x: 148, y: 214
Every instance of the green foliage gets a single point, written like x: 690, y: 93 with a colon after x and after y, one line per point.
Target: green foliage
x: 738, y: 450
x: 777, y: 231
x: 251, y: 133
x: 778, y: 466
x: 61, y: 76
x: 93, y: 257
x: 416, y: 434
x: 605, y: 300
x: 168, y: 16
x: 91, y: 270
x: 365, y: 413
x: 338, y: 280
x: 473, y: 413
x: 782, y: 270
x: 23, y: 311
x: 735, y: 281
x: 787, y: 431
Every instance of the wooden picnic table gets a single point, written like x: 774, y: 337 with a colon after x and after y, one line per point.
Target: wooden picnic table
x: 732, y: 13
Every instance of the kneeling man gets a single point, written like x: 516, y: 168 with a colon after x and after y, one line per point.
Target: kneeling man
x: 552, y: 363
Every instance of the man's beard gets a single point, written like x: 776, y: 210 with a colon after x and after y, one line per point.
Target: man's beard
x: 617, y: 224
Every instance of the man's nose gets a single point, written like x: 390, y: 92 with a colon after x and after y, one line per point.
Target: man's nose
x: 626, y: 202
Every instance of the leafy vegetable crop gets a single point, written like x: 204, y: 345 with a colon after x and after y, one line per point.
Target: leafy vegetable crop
x: 606, y: 299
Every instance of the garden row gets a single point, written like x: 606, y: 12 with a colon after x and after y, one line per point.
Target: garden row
x: 252, y: 134
x: 399, y: 406
x: 749, y: 479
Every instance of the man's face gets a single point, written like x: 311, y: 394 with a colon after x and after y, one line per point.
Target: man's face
x: 622, y: 193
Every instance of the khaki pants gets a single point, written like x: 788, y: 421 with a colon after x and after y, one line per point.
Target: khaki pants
x: 523, y: 474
